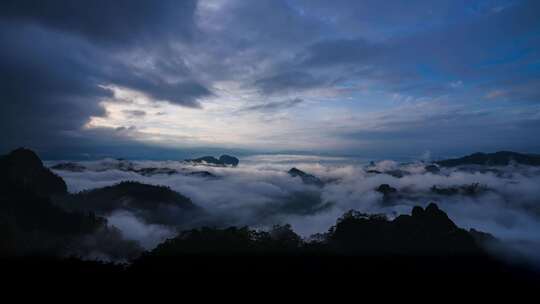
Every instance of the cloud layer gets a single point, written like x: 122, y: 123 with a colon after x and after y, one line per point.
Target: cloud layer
x: 260, y: 193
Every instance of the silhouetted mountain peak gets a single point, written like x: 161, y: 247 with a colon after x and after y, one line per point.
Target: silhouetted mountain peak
x: 426, y: 231
x: 432, y: 208
x: 433, y: 218
x: 417, y: 211
x: 229, y: 160
x: 23, y: 157
x: 431, y: 211
x: 386, y: 189
x: 207, y: 159
x: 22, y: 168
x: 224, y: 160
x: 306, y: 177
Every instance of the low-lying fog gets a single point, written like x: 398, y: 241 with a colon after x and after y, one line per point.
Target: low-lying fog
x: 260, y: 193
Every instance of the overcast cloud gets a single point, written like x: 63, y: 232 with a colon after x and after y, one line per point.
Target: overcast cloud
x: 351, y: 77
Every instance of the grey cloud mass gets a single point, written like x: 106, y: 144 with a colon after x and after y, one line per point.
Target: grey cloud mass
x: 260, y: 193
x: 57, y: 54
x: 108, y: 22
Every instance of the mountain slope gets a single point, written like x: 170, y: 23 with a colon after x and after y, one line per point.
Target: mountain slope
x: 501, y: 158
x: 154, y: 204
x: 23, y: 168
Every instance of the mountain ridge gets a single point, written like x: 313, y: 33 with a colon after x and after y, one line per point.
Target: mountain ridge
x: 500, y: 158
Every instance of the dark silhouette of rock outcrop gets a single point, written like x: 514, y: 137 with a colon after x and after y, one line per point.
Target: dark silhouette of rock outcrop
x: 386, y: 189
x: 204, y: 174
x: 206, y: 160
x: 229, y: 160
x: 426, y: 232
x: 223, y: 161
x: 22, y: 168
x: 307, y: 178
x: 501, y: 158
x: 432, y: 169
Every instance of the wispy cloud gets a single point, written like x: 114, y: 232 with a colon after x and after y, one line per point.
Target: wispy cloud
x: 273, y: 106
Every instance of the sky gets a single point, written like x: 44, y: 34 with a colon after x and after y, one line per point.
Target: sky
x: 370, y: 78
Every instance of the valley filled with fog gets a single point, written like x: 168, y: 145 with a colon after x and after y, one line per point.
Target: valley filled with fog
x: 261, y: 192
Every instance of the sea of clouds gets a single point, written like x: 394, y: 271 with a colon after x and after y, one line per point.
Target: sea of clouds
x: 259, y: 193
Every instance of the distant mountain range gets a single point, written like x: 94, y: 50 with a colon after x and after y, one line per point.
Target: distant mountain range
x: 501, y: 158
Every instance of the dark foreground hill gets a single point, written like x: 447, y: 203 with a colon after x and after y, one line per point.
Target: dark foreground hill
x: 426, y: 235
x: 22, y: 168
x: 425, y: 248
x: 32, y: 225
x: 501, y: 158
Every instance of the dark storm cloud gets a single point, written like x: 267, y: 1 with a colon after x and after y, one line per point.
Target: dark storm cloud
x: 184, y: 93
x: 109, y: 22
x: 56, y: 55
x: 45, y: 90
x: 50, y: 85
